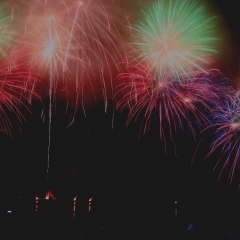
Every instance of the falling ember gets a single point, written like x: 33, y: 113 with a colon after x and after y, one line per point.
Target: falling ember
x: 74, y: 206
x: 36, y: 204
x: 90, y: 204
x: 175, y: 210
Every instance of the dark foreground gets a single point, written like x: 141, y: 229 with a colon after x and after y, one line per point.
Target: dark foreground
x: 55, y: 219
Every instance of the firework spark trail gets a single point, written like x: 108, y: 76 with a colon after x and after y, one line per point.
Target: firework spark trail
x: 175, y: 39
x: 101, y: 40
x: 70, y: 36
x: 51, y: 82
x: 46, y: 40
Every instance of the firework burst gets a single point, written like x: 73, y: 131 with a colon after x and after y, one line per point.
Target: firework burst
x: 175, y: 39
x: 173, y: 103
x: 74, y: 43
x: 16, y: 92
x: 226, y: 133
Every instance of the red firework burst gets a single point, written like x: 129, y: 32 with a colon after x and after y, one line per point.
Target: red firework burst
x: 16, y: 93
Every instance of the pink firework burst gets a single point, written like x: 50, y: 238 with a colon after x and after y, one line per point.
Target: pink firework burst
x: 173, y: 103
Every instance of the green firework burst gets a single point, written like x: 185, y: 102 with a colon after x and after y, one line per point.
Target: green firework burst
x: 7, y: 34
x: 175, y: 39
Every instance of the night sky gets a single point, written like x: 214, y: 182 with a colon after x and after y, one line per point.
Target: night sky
x: 99, y: 156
